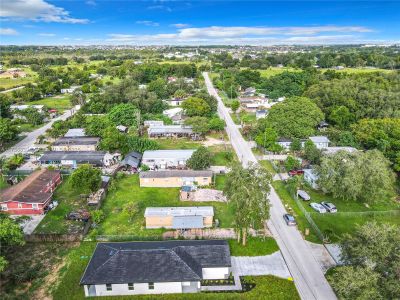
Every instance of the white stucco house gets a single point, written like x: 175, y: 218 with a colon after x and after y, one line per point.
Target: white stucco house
x: 321, y: 141
x: 311, y: 177
x: 165, y: 267
x: 166, y: 159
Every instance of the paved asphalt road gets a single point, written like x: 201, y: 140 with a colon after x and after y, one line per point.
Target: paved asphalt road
x: 31, y: 137
x: 305, y: 270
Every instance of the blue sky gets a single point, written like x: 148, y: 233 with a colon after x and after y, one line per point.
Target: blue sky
x: 45, y: 22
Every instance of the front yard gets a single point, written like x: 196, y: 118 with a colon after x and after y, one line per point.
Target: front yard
x: 350, y: 213
x: 127, y: 190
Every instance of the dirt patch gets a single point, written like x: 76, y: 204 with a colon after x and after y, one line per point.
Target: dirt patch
x: 214, y: 142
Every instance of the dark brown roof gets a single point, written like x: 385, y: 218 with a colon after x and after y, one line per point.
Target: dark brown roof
x: 31, y: 189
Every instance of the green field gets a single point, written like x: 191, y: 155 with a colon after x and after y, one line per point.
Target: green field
x: 9, y: 83
x: 275, y: 71
x: 350, y: 213
x: 254, y: 247
x: 60, y: 103
x: 118, y: 222
x: 67, y: 287
x: 268, y: 166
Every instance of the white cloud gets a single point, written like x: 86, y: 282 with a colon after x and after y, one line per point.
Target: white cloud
x: 36, y: 10
x: 148, y: 23
x: 91, y: 2
x: 8, y: 31
x: 160, y: 7
x: 180, y: 25
x: 47, y: 34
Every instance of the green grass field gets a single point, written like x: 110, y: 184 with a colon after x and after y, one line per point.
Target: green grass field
x: 9, y: 83
x: 275, y: 71
x: 171, y: 144
x: 118, y: 222
x: 60, y: 103
x: 268, y: 166
x: 3, y: 183
x: 67, y: 286
x: 254, y: 247
x: 350, y: 213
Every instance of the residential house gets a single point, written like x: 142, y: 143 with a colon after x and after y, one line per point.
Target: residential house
x: 249, y: 92
x: 284, y: 143
x: 132, y: 161
x: 175, y: 114
x: 333, y: 150
x: 79, y: 143
x: 261, y: 113
x: 75, y: 132
x: 153, y: 123
x: 320, y: 141
x: 170, y: 131
x: 322, y: 126
x: 175, y: 178
x: 163, y: 267
x: 166, y: 159
x: 70, y: 90
x: 311, y: 177
x: 174, y: 101
x: 74, y: 158
x: 190, y: 217
x: 31, y: 196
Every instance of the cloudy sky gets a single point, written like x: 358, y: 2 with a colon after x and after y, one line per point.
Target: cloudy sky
x: 155, y: 22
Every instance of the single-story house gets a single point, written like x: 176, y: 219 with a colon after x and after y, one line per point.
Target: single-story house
x: 74, y: 158
x: 70, y: 90
x: 322, y: 125
x: 39, y: 108
x: 320, y: 141
x: 166, y: 159
x: 333, y: 150
x: 32, y: 195
x: 175, y: 131
x: 75, y: 132
x: 175, y: 114
x: 175, y: 178
x: 249, y: 92
x: 284, y: 142
x: 311, y: 177
x: 163, y: 267
x: 189, y: 217
x: 261, y: 113
x: 150, y: 123
x: 78, y: 143
x: 132, y: 160
x: 174, y: 101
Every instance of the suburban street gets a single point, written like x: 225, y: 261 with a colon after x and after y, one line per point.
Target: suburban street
x: 28, y: 142
x: 305, y: 270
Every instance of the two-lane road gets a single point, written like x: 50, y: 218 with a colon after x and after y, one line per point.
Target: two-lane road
x: 306, y: 272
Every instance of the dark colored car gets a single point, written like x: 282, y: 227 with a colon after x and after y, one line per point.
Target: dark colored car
x: 80, y: 215
x: 289, y: 219
x: 295, y: 172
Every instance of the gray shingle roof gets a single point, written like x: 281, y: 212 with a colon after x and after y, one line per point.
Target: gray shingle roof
x: 165, y: 261
x: 79, y: 156
x: 77, y: 140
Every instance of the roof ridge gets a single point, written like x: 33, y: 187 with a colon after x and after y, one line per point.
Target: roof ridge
x: 181, y: 259
x: 106, y: 261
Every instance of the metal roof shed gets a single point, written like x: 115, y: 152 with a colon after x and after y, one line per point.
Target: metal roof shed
x: 187, y: 222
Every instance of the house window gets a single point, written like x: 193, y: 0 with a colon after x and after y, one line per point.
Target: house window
x: 35, y: 206
x: 19, y: 205
x: 4, y: 207
x: 151, y: 285
x: 109, y: 287
x: 131, y: 287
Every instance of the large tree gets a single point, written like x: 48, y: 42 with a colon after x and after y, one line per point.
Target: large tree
x: 195, y: 106
x: 373, y: 252
x: 124, y: 114
x: 200, y: 159
x: 247, y: 190
x: 10, y: 234
x: 362, y: 176
x: 86, y: 179
x: 296, y: 117
x: 8, y: 132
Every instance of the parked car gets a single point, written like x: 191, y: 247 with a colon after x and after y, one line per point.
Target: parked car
x: 318, y: 207
x: 303, y: 195
x: 330, y: 207
x: 289, y: 219
x: 295, y: 172
x: 79, y: 215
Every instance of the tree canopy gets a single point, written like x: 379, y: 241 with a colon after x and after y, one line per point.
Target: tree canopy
x: 86, y: 179
x: 200, y: 159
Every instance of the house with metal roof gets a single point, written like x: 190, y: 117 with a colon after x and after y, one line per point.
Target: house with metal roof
x: 170, y: 131
x: 189, y: 217
x: 166, y: 159
x: 163, y: 267
x: 74, y: 132
x: 76, y: 143
x: 132, y: 160
x: 321, y: 141
x: 175, y: 178
x: 74, y: 158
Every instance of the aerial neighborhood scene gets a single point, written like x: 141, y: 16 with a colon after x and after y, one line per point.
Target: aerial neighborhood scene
x: 170, y: 150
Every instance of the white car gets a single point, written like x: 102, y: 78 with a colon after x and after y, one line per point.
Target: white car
x: 318, y: 207
x: 303, y: 195
x: 329, y: 207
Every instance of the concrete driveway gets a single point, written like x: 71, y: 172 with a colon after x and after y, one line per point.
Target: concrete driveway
x: 273, y: 264
x: 29, y: 226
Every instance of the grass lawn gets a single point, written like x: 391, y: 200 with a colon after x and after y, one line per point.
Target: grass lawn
x: 254, y: 247
x: 9, y: 83
x: 60, y: 103
x: 335, y: 225
x: 28, y: 127
x: 3, y: 183
x: 117, y: 221
x: 171, y: 144
x: 220, y: 182
x: 265, y: 287
x: 275, y: 71
x: 68, y: 200
x: 268, y: 166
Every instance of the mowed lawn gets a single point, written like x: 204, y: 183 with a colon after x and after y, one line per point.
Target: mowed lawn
x: 263, y: 287
x: 350, y: 213
x: 118, y: 222
x: 9, y: 83
x: 60, y: 102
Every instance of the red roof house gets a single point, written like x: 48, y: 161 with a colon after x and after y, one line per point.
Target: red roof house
x: 32, y: 195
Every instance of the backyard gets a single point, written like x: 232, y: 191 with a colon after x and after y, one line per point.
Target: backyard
x: 60, y: 102
x: 350, y: 213
x: 264, y: 287
x: 127, y: 190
